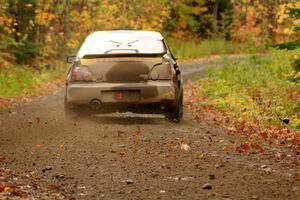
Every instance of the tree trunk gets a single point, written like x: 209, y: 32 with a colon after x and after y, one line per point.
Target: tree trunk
x: 272, y: 6
x: 215, y: 20
x: 66, y: 19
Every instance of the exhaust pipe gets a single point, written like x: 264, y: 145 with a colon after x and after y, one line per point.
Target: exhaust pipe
x: 96, y: 104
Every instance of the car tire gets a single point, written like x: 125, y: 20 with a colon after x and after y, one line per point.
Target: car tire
x: 176, y: 114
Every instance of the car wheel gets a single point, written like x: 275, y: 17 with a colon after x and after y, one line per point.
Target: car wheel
x: 176, y: 114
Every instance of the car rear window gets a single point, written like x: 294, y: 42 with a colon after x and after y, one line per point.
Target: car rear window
x: 121, y: 44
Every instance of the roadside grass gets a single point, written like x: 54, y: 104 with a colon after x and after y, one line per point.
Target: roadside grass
x: 21, y: 80
x: 259, y: 88
x: 194, y: 49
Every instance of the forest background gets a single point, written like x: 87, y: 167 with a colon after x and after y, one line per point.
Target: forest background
x: 36, y: 32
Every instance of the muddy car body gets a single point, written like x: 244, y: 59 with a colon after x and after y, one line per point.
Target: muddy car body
x: 124, y: 71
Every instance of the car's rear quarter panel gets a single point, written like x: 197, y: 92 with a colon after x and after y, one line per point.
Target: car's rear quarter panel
x: 127, y: 69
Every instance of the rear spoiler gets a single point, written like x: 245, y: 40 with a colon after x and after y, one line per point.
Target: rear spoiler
x: 118, y: 55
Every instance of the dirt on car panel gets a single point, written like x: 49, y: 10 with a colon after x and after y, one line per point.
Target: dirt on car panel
x: 128, y: 71
x: 149, y: 92
x: 120, y: 69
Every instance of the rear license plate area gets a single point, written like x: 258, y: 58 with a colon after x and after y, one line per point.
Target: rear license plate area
x: 121, y: 96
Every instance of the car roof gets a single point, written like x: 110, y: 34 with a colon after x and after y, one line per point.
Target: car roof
x: 132, y: 33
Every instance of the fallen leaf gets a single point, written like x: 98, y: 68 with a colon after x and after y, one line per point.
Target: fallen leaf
x: 231, y: 129
x: 202, y: 155
x: 6, y: 189
x: 279, y: 155
x: 138, y: 132
x: 263, y: 135
x: 39, y: 145
x: 185, y: 146
x: 297, y: 176
x: 238, y: 149
x: 245, y: 147
x: 226, y: 149
x: 257, y: 148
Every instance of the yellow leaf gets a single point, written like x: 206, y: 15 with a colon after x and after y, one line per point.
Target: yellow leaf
x: 39, y: 145
x: 6, y: 189
x: 28, y: 5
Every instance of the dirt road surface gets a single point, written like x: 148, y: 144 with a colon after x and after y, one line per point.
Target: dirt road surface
x: 125, y: 156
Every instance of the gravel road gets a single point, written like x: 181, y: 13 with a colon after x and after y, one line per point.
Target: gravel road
x: 125, y: 156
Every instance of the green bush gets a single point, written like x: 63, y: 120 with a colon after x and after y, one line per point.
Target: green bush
x: 23, y: 52
x: 193, y: 49
x: 22, y: 79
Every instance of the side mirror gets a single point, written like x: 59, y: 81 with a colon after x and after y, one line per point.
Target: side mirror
x: 71, y: 59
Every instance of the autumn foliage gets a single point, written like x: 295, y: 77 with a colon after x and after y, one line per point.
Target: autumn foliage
x: 49, y: 29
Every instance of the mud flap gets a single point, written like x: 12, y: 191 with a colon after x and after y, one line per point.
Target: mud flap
x: 176, y: 114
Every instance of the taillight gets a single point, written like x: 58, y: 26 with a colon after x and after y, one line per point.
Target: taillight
x: 161, y: 72
x: 81, y: 74
x: 74, y: 74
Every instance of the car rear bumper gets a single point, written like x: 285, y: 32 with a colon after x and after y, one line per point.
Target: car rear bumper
x: 133, y: 93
